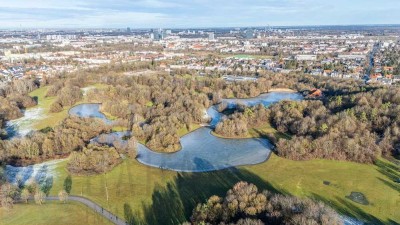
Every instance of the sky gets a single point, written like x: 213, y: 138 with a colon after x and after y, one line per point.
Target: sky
x: 194, y: 13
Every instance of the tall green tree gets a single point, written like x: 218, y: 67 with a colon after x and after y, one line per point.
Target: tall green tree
x: 68, y: 184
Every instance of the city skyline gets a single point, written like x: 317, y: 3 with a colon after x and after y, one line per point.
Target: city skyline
x: 197, y: 13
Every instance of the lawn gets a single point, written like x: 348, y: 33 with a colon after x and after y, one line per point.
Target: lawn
x: 306, y: 179
x: 50, y: 119
x: 157, y: 196
x: 54, y: 213
x: 130, y: 182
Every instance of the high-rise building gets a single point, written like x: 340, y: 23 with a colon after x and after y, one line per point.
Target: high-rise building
x: 157, y: 34
x: 211, y: 36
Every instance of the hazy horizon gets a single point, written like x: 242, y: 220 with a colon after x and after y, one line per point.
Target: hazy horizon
x: 194, y: 14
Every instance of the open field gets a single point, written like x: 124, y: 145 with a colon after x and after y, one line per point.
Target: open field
x: 157, y: 195
x: 54, y: 213
x: 130, y: 182
x: 306, y: 179
x: 50, y: 119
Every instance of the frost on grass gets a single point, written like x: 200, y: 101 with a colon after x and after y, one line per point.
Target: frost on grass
x: 22, y: 126
x: 43, y: 173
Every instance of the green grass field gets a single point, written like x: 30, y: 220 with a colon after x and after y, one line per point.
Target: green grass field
x: 50, y: 119
x: 54, y: 213
x: 156, y: 195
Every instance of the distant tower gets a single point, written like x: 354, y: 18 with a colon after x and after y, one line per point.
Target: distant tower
x: 211, y: 36
x: 157, y: 35
x: 128, y: 30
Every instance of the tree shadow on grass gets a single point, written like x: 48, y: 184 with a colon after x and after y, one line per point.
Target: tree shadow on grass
x: 391, y: 171
x: 347, y: 208
x: 174, y: 203
x: 392, y: 185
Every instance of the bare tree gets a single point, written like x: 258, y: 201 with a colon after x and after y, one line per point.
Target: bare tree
x: 25, y: 194
x: 39, y: 197
x: 63, y: 196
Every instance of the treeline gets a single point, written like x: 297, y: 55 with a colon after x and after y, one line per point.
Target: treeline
x: 245, y: 204
x: 93, y: 160
x: 357, y: 127
x: 72, y: 134
x: 13, y: 99
x: 72, y: 137
x: 319, y: 133
x: 37, y: 189
x: 96, y: 158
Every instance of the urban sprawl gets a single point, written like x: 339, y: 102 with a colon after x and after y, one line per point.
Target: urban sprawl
x: 368, y: 53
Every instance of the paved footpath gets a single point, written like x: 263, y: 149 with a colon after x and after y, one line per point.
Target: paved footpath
x: 97, y: 208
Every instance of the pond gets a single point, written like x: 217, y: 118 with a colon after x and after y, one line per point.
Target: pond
x: 201, y: 151
x: 266, y: 99
x: 90, y: 110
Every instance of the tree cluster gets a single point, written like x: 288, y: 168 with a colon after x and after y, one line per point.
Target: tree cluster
x: 93, y: 159
x: 13, y: 99
x: 244, y: 204
x: 71, y: 135
x: 238, y: 123
x: 357, y: 127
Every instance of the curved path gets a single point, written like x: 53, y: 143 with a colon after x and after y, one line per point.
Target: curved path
x: 94, y: 206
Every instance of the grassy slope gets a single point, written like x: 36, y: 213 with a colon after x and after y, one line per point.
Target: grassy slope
x: 146, y: 189
x: 54, y: 213
x: 130, y: 182
x: 306, y: 179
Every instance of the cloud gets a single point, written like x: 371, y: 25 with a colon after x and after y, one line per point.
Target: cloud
x: 193, y: 13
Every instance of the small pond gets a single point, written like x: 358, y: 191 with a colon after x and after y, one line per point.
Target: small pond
x: 90, y: 110
x: 266, y: 99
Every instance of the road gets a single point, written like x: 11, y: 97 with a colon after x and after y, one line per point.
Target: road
x: 97, y: 208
